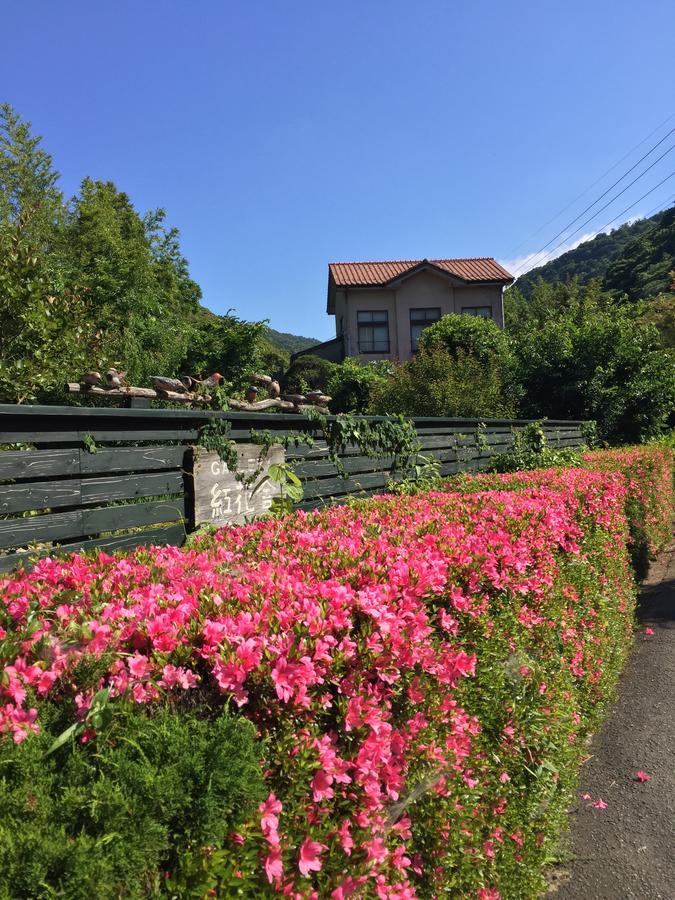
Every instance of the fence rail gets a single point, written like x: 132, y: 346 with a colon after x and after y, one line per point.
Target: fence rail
x: 135, y: 487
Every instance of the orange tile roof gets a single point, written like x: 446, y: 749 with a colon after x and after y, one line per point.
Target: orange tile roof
x: 371, y: 274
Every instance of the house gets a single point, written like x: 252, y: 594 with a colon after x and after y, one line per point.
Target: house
x: 381, y: 308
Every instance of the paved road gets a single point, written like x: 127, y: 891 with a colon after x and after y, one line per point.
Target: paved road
x: 627, y: 850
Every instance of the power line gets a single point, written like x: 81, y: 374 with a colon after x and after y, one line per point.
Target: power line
x: 591, y: 186
x: 598, y: 211
x: 604, y: 193
x: 623, y: 212
x: 660, y: 206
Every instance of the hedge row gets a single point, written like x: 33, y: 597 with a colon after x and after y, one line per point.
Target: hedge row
x: 421, y: 672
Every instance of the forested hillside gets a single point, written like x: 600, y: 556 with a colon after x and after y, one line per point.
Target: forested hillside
x: 635, y: 259
x: 291, y: 343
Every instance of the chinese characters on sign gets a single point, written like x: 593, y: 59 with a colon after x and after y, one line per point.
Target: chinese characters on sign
x: 222, y: 498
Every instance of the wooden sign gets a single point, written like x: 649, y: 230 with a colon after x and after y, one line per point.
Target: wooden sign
x: 222, y: 498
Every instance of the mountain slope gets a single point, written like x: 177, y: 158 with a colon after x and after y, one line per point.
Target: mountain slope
x: 634, y: 259
x: 291, y: 343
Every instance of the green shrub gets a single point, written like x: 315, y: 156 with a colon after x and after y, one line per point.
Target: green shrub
x: 531, y: 450
x: 351, y: 383
x: 307, y: 373
x: 108, y: 819
x: 437, y: 383
x: 481, y: 338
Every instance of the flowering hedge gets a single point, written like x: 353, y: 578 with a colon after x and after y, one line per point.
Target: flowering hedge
x: 422, y: 672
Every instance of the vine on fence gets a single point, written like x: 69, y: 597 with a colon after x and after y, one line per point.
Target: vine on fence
x: 394, y: 436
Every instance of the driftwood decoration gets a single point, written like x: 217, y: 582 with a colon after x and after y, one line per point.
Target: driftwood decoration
x: 75, y: 387
x: 272, y: 403
x: 289, y: 402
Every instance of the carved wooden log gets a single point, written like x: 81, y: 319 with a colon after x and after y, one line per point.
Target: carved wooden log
x: 261, y: 379
x: 74, y: 387
x: 259, y: 405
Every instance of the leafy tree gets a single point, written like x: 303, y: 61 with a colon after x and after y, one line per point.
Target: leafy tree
x: 135, y: 280
x: 45, y: 331
x: 660, y: 312
x: 93, y: 283
x: 592, y: 359
x: 45, y: 325
x: 436, y: 382
x: 351, y: 384
x: 222, y: 344
x: 28, y: 182
x: 481, y: 338
x: 308, y: 373
x: 273, y: 359
x: 643, y: 267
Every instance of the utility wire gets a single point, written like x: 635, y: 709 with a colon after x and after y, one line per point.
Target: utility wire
x: 623, y: 212
x: 660, y: 206
x: 604, y: 193
x: 598, y: 211
x: 591, y: 186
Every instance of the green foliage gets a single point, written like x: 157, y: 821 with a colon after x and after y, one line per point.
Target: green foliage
x: 582, y: 355
x: 351, y: 382
x: 222, y: 344
x: 215, y: 435
x: 135, y: 280
x: 108, y: 818
x: 473, y: 336
x: 660, y: 312
x: 531, y: 450
x: 307, y: 373
x: 289, y: 343
x: 436, y: 382
x: 92, y: 283
x: 45, y: 329
x: 595, y: 259
x: 273, y: 360
x: 643, y: 267
x: 393, y: 436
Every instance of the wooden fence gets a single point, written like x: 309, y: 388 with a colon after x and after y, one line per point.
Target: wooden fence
x: 118, y: 478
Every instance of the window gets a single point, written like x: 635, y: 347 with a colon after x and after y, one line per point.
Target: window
x: 373, y: 331
x: 485, y: 312
x: 419, y: 320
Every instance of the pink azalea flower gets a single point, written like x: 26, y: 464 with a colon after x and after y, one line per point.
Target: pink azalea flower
x: 586, y: 797
x: 649, y: 631
x: 599, y: 804
x: 642, y: 776
x: 310, y: 853
x: 274, y: 867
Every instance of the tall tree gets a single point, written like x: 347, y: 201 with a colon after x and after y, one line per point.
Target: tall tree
x: 135, y: 279
x: 45, y: 328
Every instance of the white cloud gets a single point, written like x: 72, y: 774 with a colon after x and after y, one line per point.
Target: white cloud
x: 523, y: 264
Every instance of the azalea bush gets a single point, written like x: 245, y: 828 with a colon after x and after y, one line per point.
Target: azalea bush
x: 647, y: 476
x: 421, y: 671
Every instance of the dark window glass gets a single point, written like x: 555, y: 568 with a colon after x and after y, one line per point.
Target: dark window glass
x: 419, y: 320
x: 485, y: 312
x: 373, y: 331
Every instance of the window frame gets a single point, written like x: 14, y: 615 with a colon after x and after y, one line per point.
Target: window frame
x: 467, y: 311
x: 373, y: 324
x: 419, y: 309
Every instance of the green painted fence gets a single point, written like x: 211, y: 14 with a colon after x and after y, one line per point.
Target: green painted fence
x: 135, y: 489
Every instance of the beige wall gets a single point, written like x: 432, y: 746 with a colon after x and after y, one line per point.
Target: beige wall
x: 424, y: 290
x: 482, y: 295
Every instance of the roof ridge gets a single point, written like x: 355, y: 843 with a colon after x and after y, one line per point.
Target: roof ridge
x: 384, y: 262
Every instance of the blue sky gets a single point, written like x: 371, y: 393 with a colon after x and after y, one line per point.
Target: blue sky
x: 280, y: 137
